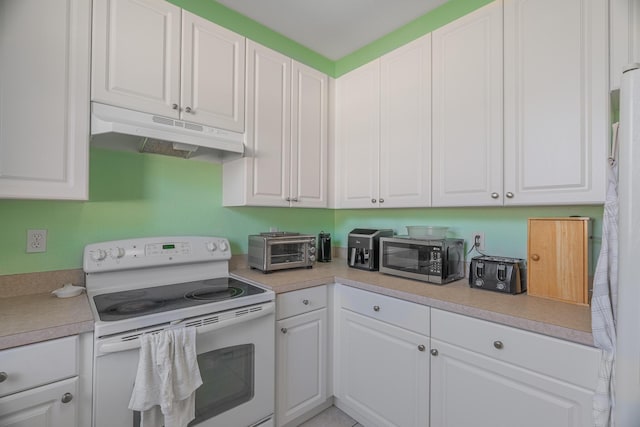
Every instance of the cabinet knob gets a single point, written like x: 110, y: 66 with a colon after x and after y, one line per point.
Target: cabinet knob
x: 283, y: 330
x: 434, y: 351
x: 174, y: 106
x: 66, y: 398
x: 188, y: 110
x: 381, y: 200
x: 498, y: 344
x: 288, y: 199
x: 295, y: 199
x: 509, y: 195
x: 494, y: 195
x: 305, y: 301
x: 3, y: 377
x: 373, y: 200
x: 376, y: 308
x: 535, y: 257
x: 421, y: 347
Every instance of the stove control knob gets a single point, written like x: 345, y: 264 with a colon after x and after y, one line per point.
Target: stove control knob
x: 211, y: 247
x: 116, y: 253
x: 98, y: 255
x: 224, y: 246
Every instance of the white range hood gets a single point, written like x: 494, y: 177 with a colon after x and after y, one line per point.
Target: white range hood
x: 122, y: 129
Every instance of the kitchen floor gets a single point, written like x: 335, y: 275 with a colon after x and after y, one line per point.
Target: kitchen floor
x: 331, y: 417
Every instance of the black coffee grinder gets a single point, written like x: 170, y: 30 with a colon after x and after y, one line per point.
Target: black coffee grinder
x: 324, y: 247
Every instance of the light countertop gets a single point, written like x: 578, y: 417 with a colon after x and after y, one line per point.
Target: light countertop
x: 39, y: 316
x: 561, y: 320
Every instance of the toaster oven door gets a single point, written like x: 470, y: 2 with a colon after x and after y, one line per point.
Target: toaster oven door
x: 283, y: 254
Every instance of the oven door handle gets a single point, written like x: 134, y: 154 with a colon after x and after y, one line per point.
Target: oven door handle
x: 286, y: 242
x: 114, y: 347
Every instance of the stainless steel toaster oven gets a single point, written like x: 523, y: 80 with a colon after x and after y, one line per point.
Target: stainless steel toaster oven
x: 281, y: 250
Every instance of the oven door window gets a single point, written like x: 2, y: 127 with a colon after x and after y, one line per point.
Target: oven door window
x: 285, y: 253
x: 228, y: 378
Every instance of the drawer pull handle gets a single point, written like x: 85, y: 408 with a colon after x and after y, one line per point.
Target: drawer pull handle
x: 434, y: 351
x: 376, y: 308
x: 535, y: 257
x: 421, y: 347
x: 66, y: 398
x: 284, y: 330
x: 494, y: 195
x: 3, y: 377
x: 305, y: 301
x: 373, y: 200
x: 510, y: 195
x: 498, y: 345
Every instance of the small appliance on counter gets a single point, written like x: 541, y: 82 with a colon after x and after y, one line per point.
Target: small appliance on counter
x: 436, y: 261
x: 501, y: 274
x: 281, y: 250
x: 324, y: 247
x: 364, y: 249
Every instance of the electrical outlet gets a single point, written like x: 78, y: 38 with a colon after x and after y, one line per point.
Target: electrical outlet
x: 477, y: 238
x: 36, y: 241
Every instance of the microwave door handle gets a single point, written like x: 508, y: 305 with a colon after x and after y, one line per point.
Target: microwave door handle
x: 115, y: 347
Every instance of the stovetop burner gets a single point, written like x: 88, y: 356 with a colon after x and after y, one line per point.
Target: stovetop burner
x: 140, y: 302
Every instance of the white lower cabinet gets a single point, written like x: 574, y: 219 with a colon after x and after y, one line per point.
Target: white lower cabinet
x: 52, y: 405
x: 301, y: 345
x: 489, y: 375
x: 382, y: 366
x: 40, y: 384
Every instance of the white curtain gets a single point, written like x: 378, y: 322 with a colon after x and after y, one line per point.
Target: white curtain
x: 604, y: 301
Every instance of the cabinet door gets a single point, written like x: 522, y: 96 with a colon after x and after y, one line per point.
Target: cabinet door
x: 624, y: 27
x: 358, y: 136
x: 467, y: 110
x: 213, y: 74
x: 383, y: 372
x: 136, y: 55
x: 469, y: 389
x: 556, y: 101
x: 405, y: 125
x: 268, y: 126
x: 301, y: 377
x: 308, y: 137
x: 42, y: 406
x: 44, y: 99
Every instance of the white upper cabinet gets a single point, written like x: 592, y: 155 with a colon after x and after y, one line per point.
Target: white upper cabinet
x: 44, y: 98
x: 358, y: 136
x: 467, y: 110
x: 555, y: 113
x: 152, y: 56
x: 556, y: 101
x: 405, y: 125
x: 384, y: 130
x: 285, y: 163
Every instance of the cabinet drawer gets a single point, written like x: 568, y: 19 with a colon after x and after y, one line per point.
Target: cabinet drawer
x: 564, y: 360
x: 302, y: 301
x: 405, y: 314
x: 36, y: 364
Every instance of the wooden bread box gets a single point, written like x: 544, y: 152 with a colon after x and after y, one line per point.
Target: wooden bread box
x: 558, y: 257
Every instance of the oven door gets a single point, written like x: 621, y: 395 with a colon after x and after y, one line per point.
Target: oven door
x: 290, y: 253
x: 236, y: 360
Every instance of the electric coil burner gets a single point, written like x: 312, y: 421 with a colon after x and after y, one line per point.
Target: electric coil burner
x: 144, y: 286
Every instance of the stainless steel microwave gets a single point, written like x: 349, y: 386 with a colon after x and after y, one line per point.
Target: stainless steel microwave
x: 437, y: 261
x: 281, y: 250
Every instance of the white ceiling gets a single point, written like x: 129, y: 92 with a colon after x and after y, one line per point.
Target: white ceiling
x: 333, y: 28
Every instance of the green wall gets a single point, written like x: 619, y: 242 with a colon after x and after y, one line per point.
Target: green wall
x: 136, y: 195
x: 505, y: 228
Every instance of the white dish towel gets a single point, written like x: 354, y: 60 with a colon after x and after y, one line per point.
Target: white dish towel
x: 167, y: 378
